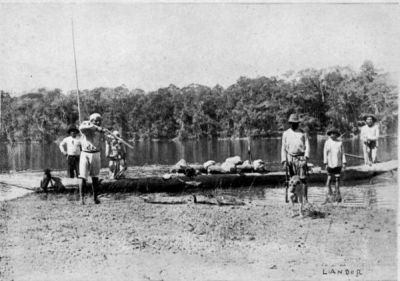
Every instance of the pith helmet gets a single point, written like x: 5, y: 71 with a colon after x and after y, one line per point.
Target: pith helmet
x: 94, y: 116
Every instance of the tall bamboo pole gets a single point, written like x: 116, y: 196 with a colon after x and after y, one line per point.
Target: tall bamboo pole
x: 76, y: 73
x: 1, y: 104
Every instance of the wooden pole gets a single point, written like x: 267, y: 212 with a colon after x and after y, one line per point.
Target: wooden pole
x: 1, y: 104
x: 355, y: 156
x: 76, y: 73
x: 249, y: 149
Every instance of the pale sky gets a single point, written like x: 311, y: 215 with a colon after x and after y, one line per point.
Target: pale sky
x: 149, y: 46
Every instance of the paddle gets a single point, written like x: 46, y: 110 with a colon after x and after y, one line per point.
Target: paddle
x: 355, y: 156
x: 118, y: 138
x: 287, y: 180
x: 108, y: 132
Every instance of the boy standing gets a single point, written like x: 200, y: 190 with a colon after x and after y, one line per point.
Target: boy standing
x: 335, y: 160
x: 89, y: 165
x: 71, y: 148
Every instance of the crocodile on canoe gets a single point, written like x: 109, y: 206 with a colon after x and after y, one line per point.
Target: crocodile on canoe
x: 180, y: 182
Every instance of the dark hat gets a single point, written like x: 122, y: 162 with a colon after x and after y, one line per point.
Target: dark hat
x: 294, y: 118
x: 333, y: 131
x: 72, y: 129
x: 370, y: 115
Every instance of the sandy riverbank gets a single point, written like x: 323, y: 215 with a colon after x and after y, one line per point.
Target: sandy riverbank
x: 18, y: 184
x: 123, y: 238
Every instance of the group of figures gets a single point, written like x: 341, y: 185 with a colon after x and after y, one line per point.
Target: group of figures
x: 295, y: 153
x: 83, y: 154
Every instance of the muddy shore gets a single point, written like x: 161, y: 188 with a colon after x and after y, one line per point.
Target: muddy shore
x: 53, y: 237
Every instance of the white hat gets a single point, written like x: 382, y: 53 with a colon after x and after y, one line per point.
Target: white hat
x: 94, y: 116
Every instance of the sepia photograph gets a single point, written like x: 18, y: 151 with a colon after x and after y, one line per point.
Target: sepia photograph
x: 208, y: 141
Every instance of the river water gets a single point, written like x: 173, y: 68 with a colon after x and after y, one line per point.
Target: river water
x: 37, y: 156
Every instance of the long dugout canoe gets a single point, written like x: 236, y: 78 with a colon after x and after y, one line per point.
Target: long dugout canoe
x: 179, y: 182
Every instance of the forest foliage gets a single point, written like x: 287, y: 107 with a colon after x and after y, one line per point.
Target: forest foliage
x: 336, y: 96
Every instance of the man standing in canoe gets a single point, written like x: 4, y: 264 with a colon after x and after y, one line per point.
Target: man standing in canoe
x: 116, y: 152
x: 93, y: 135
x: 369, y: 137
x: 295, y: 151
x: 71, y: 148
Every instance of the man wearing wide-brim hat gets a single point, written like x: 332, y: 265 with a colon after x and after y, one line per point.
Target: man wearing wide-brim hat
x: 369, y: 137
x: 71, y: 148
x: 295, y: 150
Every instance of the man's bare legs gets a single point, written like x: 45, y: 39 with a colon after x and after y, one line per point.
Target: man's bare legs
x: 95, y: 186
x: 82, y: 187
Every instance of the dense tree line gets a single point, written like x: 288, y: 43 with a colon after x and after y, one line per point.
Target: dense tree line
x: 334, y: 96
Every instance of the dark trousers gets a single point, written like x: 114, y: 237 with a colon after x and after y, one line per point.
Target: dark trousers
x: 297, y: 166
x: 73, y: 165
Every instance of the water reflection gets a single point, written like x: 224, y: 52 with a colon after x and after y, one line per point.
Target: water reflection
x: 382, y: 192
x: 37, y: 156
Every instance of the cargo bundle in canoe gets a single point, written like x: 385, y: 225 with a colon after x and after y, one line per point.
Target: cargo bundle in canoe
x: 179, y: 182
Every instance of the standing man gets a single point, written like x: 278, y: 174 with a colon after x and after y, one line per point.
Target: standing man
x: 369, y: 137
x: 71, y: 148
x: 90, y: 164
x: 116, y: 152
x: 296, y: 151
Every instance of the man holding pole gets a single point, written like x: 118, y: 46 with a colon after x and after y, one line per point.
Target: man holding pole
x: 92, y: 137
x: 116, y: 153
x: 295, y: 151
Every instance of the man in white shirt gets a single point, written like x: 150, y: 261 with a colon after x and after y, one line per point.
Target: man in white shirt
x: 295, y: 151
x: 93, y: 135
x: 369, y: 137
x: 71, y: 148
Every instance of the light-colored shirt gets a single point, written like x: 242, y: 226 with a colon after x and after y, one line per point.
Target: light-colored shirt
x: 334, y: 153
x: 115, y: 149
x: 71, y: 146
x: 370, y: 133
x: 294, y: 143
x: 91, y: 139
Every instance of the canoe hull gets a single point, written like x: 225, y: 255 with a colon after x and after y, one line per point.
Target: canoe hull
x: 179, y: 183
